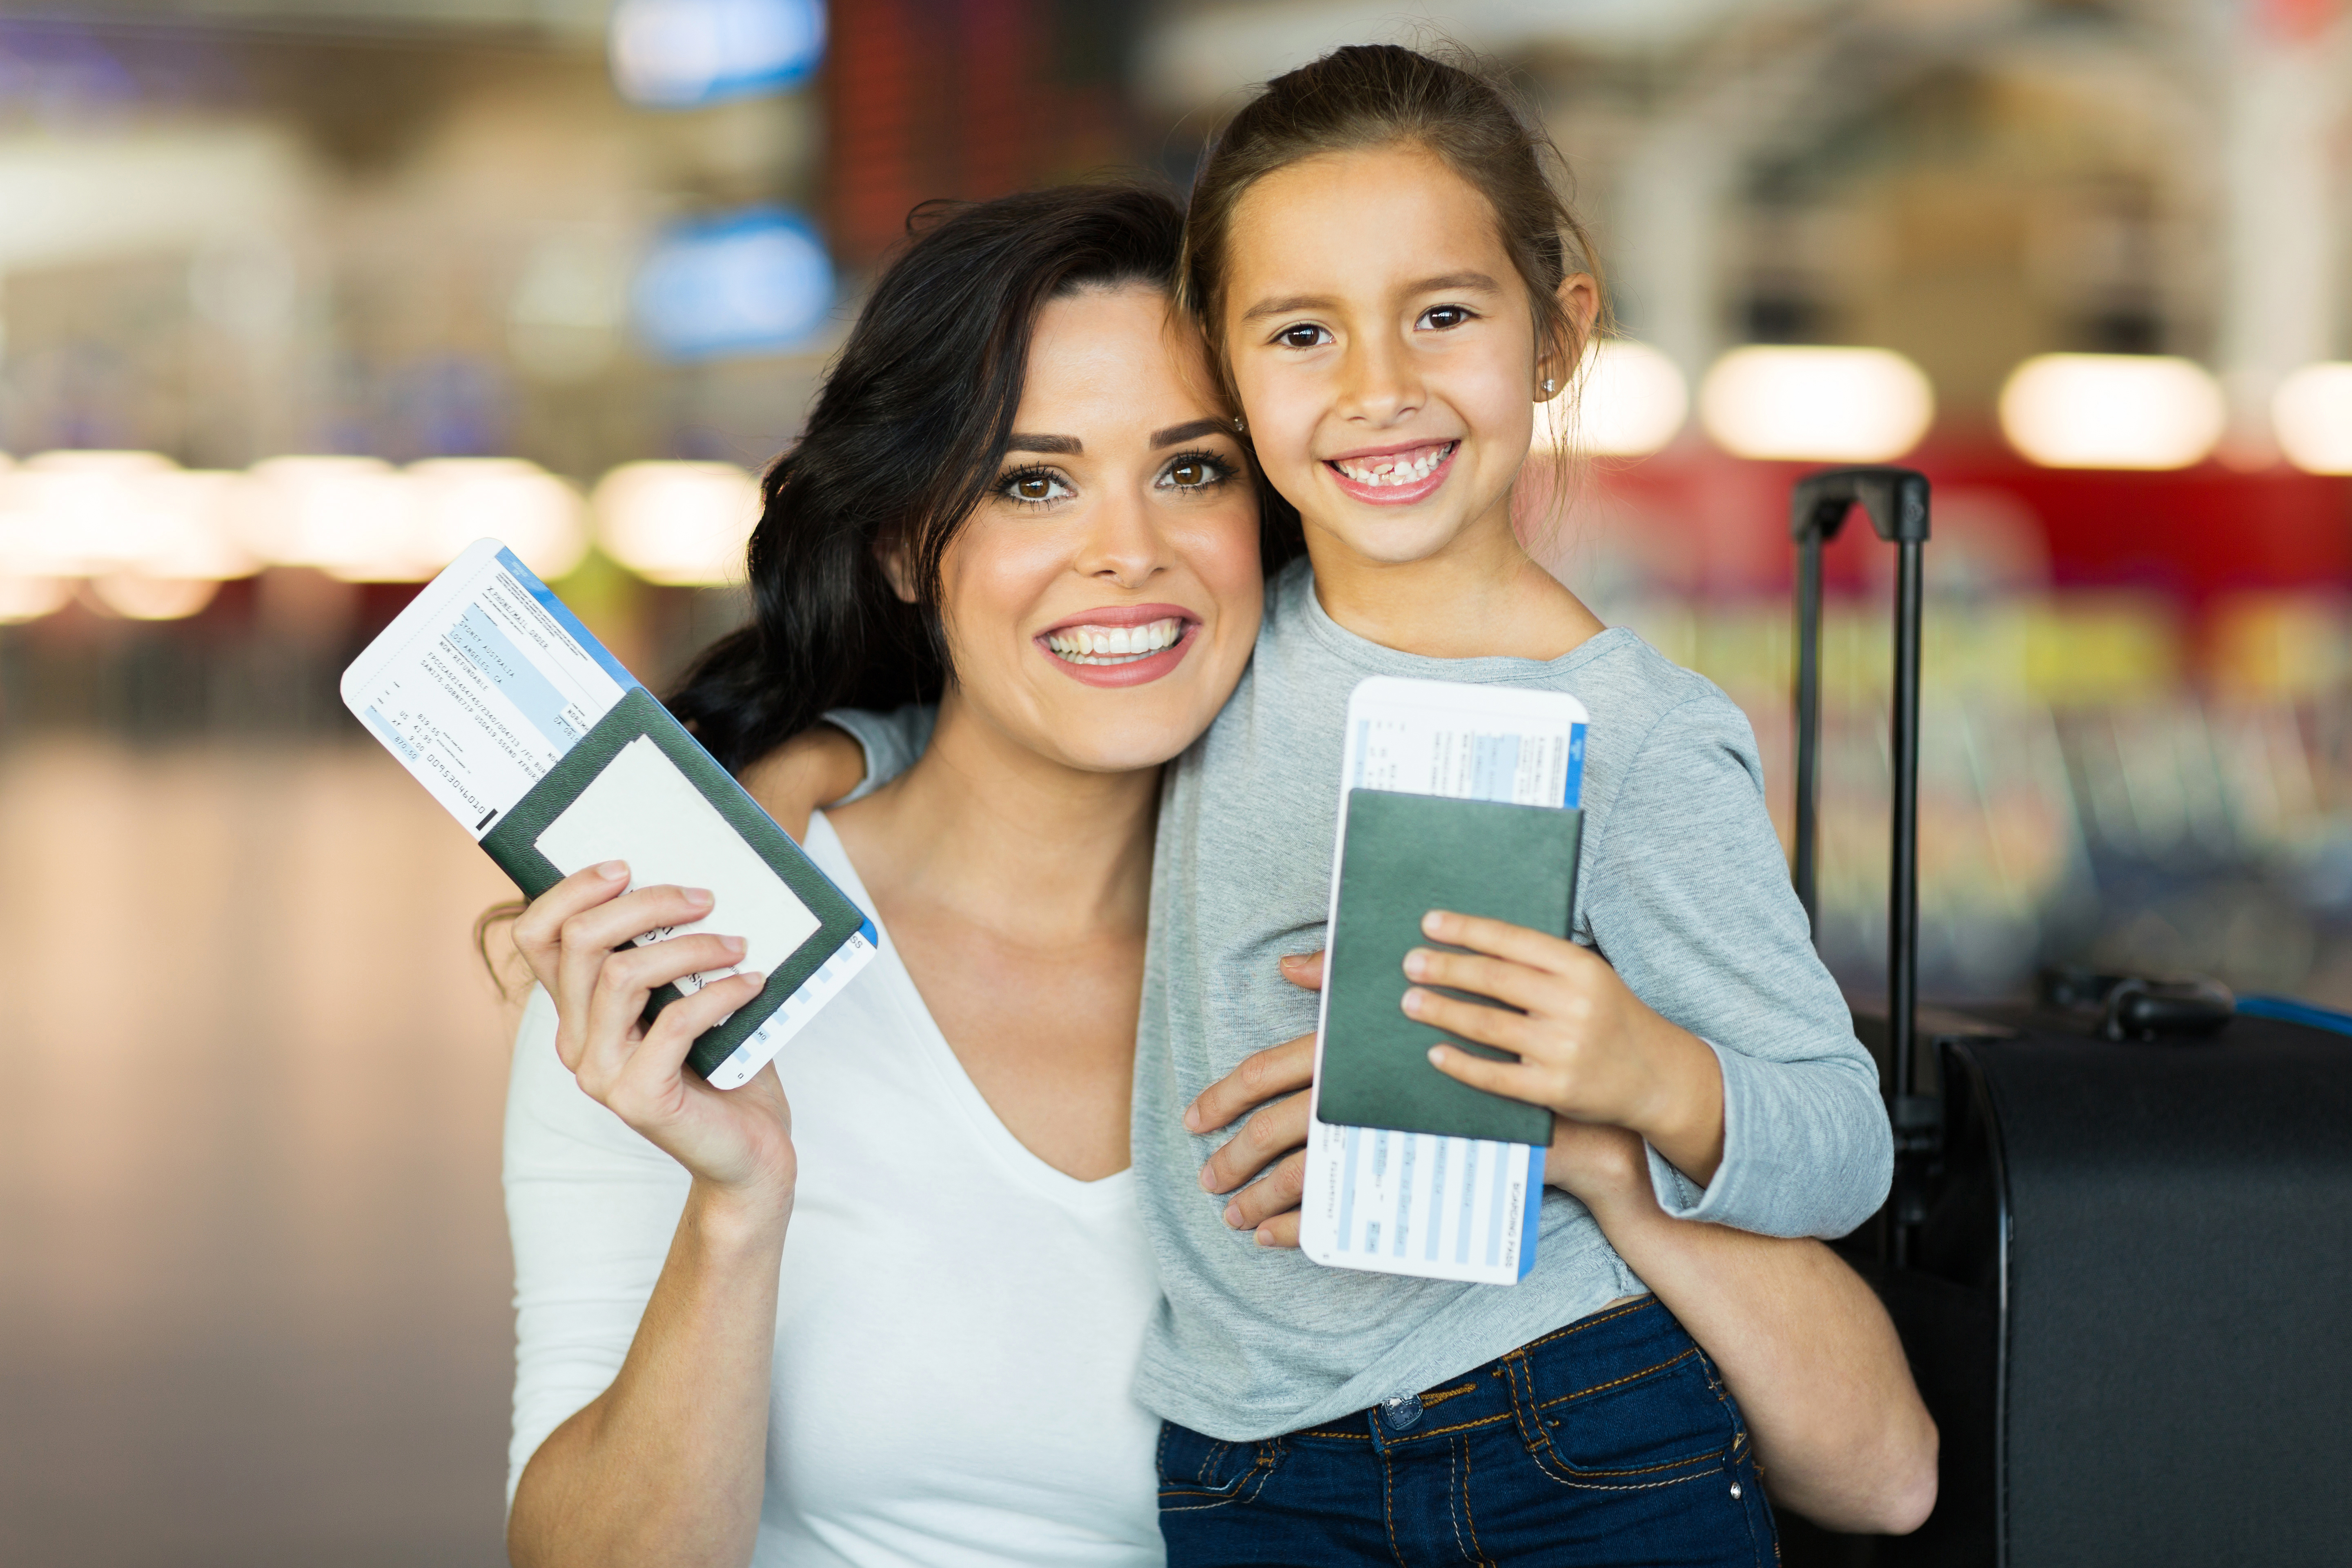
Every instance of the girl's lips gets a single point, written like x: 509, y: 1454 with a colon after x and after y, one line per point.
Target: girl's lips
x: 1133, y: 672
x: 1395, y: 495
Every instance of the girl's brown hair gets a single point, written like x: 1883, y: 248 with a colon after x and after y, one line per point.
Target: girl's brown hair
x: 1377, y: 95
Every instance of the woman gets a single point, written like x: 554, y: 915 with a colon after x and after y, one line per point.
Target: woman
x: 1014, y: 492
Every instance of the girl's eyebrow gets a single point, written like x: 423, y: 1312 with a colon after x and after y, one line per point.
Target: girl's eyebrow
x: 1284, y: 306
x: 1452, y: 280
x: 1476, y: 281
x: 1192, y: 432
x: 1062, y: 446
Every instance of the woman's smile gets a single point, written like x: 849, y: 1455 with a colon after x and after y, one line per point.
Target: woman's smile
x: 1124, y: 645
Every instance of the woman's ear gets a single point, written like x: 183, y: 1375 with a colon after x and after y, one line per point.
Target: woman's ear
x: 892, y: 558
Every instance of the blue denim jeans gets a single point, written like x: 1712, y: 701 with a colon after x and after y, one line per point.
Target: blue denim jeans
x: 1609, y: 1441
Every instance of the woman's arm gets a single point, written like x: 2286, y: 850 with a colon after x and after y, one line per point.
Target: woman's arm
x: 1804, y: 1343
x: 666, y: 1466
x: 1800, y: 1340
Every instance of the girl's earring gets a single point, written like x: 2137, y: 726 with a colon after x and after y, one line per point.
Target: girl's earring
x: 1550, y: 385
x: 1241, y: 425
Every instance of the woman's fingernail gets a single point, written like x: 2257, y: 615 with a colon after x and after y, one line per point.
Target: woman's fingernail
x: 697, y: 897
x: 733, y: 944
x: 759, y: 981
x: 1416, y: 1002
x: 613, y: 870
x: 1432, y: 923
x: 1416, y: 961
x: 1437, y: 1055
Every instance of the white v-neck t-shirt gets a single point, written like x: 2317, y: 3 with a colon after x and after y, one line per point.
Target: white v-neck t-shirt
x: 959, y: 1323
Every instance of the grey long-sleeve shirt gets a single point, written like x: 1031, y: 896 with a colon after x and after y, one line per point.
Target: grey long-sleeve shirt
x: 1684, y: 889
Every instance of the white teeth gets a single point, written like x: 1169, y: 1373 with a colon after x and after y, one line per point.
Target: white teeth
x: 1113, y: 645
x: 1386, y: 472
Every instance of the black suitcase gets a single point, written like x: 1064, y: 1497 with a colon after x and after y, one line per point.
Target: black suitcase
x: 2119, y: 1244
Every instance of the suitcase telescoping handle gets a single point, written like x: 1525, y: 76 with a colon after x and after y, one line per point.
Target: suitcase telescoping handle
x: 1897, y: 500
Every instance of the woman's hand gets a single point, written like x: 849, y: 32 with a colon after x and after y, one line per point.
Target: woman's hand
x: 1588, y: 1047
x: 738, y: 1142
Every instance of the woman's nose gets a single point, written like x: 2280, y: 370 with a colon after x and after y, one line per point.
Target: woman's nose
x: 1125, y: 543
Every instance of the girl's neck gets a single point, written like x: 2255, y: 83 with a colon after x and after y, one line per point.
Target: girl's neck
x: 983, y: 827
x: 1480, y: 595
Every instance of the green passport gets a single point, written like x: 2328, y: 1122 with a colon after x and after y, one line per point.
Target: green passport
x: 1403, y: 855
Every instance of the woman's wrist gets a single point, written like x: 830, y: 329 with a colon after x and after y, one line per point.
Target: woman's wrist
x: 739, y: 1216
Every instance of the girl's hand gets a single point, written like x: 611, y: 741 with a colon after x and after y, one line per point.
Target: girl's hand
x: 1275, y: 1139
x: 1588, y: 1047
x: 737, y: 1142
x: 813, y: 769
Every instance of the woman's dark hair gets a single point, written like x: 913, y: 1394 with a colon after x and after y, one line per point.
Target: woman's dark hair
x: 905, y: 439
x: 1380, y: 95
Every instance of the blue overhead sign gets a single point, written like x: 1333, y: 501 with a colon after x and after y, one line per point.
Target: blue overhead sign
x: 680, y: 54
x: 754, y: 282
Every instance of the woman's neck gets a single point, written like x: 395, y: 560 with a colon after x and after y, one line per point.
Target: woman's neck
x: 1479, y: 596
x: 1003, y: 839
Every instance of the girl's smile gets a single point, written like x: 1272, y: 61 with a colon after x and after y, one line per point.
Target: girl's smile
x: 1395, y: 475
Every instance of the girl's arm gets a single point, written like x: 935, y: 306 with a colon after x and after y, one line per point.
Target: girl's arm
x: 666, y: 1466
x: 1799, y: 1338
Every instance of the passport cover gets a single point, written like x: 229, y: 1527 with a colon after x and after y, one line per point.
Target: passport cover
x: 513, y: 844
x: 1403, y: 855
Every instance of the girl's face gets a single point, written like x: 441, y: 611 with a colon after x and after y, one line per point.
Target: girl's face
x: 1101, y: 605
x: 1384, y: 349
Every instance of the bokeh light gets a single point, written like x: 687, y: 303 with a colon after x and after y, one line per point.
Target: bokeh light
x: 1628, y: 401
x: 2312, y: 413
x: 677, y: 522
x: 2112, y: 411
x: 1809, y: 403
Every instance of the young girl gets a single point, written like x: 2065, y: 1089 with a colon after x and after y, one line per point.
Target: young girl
x: 1389, y: 282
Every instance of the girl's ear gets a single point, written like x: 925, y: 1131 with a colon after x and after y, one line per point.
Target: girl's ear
x: 1580, y: 300
x: 892, y: 557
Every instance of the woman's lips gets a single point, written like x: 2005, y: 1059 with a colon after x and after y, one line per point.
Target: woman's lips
x: 1129, y: 671
x: 1395, y: 494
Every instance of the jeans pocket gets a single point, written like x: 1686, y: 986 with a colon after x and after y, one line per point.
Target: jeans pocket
x: 1200, y: 1471
x: 1657, y: 1427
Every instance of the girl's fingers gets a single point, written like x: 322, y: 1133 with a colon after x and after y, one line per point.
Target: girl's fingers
x: 1271, y: 1132
x: 1277, y: 1193
x: 1531, y: 990
x: 1282, y: 1230
x: 1304, y: 970
x: 1537, y: 949
x: 1513, y: 1080
x: 1497, y: 1026
x: 1262, y: 1075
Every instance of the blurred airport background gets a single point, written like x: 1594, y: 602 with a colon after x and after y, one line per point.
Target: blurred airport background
x: 297, y: 296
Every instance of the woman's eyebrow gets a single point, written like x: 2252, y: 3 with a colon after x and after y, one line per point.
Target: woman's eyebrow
x: 1192, y: 432
x: 1062, y: 446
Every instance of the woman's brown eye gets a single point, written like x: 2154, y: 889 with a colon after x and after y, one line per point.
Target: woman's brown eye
x: 1189, y: 473
x: 1036, y: 487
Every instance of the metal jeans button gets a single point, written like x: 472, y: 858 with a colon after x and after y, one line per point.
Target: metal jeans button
x: 1402, y: 1412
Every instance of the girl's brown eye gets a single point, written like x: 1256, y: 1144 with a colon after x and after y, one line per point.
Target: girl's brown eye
x: 1189, y: 472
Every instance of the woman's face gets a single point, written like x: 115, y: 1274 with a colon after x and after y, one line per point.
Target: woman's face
x: 1100, y: 604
